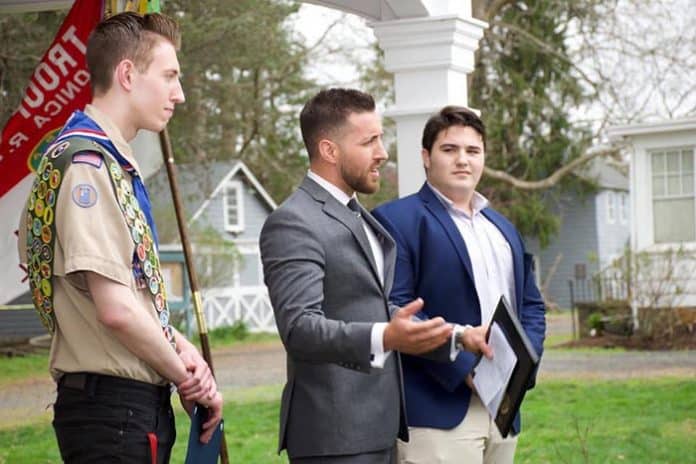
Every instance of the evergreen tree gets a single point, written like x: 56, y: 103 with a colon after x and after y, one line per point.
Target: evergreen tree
x: 244, y: 84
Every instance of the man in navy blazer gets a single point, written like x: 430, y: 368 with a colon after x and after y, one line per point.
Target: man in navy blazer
x: 460, y: 256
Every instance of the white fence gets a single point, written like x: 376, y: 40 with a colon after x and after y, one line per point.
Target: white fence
x: 226, y: 305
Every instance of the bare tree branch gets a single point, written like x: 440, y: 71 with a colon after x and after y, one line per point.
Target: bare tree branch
x: 554, y: 178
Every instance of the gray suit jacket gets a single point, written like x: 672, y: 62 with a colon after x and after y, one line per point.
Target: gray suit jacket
x: 326, y: 296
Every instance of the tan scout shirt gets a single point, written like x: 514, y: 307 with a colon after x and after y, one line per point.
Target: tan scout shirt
x: 95, y: 239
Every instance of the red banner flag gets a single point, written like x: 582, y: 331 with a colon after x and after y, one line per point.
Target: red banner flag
x: 59, y: 86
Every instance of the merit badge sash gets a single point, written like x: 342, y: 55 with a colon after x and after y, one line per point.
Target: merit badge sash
x: 41, y: 231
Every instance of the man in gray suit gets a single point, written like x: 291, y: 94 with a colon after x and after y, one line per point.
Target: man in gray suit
x: 329, y: 265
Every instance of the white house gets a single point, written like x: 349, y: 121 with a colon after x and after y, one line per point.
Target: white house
x: 663, y: 213
x: 226, y: 207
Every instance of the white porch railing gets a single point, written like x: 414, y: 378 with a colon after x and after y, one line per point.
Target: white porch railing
x: 226, y: 305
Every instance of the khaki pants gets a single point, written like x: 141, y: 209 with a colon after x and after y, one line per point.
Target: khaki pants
x: 475, y: 441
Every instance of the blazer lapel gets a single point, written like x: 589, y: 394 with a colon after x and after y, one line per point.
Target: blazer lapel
x: 345, y: 216
x: 437, y: 209
x: 515, y: 245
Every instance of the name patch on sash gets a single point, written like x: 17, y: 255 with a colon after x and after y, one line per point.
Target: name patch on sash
x: 84, y: 195
x: 88, y: 157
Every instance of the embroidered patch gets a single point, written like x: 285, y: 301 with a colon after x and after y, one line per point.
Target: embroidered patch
x: 84, y: 195
x: 88, y: 157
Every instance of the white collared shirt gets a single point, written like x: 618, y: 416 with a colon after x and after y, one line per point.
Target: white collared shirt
x: 489, y: 252
x: 379, y: 356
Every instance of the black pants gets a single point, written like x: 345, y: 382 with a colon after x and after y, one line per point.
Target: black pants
x: 105, y: 419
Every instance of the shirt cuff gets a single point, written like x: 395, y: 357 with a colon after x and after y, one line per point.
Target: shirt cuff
x: 455, y: 342
x: 378, y: 355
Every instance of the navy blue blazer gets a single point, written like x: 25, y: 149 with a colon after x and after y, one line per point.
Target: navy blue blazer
x: 433, y: 263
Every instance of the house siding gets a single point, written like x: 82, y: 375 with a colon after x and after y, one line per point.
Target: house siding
x: 576, y: 240
x: 612, y: 238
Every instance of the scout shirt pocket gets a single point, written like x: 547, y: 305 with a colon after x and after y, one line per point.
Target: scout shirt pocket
x: 91, y: 231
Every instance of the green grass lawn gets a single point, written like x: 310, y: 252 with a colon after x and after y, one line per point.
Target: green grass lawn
x: 645, y: 421
x: 36, y: 365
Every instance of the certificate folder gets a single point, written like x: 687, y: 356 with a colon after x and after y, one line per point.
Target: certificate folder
x: 197, y: 452
x: 525, y: 368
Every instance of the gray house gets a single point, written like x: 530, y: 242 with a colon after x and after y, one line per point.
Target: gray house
x: 594, y: 231
x: 225, y: 207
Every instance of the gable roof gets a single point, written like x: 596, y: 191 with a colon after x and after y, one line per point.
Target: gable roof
x: 237, y: 168
x: 198, y: 184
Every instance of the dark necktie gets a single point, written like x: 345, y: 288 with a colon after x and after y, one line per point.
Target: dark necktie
x: 354, y: 206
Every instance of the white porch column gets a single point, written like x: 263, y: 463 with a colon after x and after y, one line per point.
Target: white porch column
x: 430, y: 58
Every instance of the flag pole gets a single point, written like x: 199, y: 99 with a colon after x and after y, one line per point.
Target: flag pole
x: 166, y: 145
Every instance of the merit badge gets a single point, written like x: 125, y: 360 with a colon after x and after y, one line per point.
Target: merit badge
x: 58, y: 149
x: 126, y: 187
x: 45, y: 270
x: 42, y: 164
x: 159, y: 302
x: 164, y: 318
x: 46, y: 234
x: 147, y: 242
x: 47, y: 306
x: 36, y: 227
x: 137, y: 237
x: 46, y: 288
x: 54, y: 179
x: 115, y: 171
x: 36, y: 246
x: 51, y: 198
x: 46, y: 173
x: 48, y: 215
x: 140, y: 226
x: 32, y: 201
x: 39, y: 207
x: 154, y: 284
x: 121, y: 195
x: 46, y: 253
x: 38, y: 297
x: 130, y: 212
x: 140, y: 249
x: 84, y: 195
x: 41, y: 191
x: 147, y: 268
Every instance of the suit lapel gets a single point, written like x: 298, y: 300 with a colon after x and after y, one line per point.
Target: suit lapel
x: 388, y: 247
x: 437, y: 209
x: 345, y: 216
x: 510, y: 235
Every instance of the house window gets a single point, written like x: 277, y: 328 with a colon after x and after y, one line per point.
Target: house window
x: 611, y: 207
x: 233, y: 207
x: 623, y: 208
x: 673, y: 195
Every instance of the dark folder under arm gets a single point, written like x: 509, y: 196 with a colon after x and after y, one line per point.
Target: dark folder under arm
x: 527, y: 363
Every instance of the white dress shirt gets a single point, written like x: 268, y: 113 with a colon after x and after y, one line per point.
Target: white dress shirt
x: 489, y: 252
x: 379, y: 356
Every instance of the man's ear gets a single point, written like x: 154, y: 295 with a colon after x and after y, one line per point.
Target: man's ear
x: 328, y: 151
x: 425, y: 155
x: 123, y: 74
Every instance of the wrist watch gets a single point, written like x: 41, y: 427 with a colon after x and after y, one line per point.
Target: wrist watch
x: 458, y: 334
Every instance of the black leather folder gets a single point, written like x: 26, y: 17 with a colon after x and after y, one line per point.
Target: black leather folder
x: 525, y: 368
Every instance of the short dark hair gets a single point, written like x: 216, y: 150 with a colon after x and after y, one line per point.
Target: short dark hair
x: 328, y: 111
x: 447, y: 117
x: 126, y: 36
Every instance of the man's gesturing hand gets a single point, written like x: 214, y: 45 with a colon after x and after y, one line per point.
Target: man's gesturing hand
x: 407, y: 335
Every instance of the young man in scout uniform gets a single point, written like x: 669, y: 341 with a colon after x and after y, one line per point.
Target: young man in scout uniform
x: 91, y: 247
